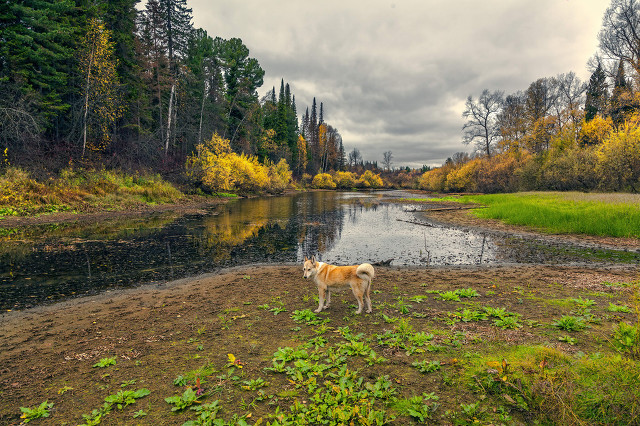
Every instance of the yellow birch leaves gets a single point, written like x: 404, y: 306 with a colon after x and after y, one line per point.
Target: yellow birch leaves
x: 102, y: 105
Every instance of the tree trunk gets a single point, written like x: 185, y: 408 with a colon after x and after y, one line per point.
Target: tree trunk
x: 86, y: 105
x: 169, y: 117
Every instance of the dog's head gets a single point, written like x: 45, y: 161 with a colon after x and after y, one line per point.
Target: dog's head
x: 309, y: 267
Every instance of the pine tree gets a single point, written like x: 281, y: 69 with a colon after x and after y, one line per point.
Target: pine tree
x: 596, y: 94
x: 119, y: 18
x: 621, y: 102
x: 36, y: 49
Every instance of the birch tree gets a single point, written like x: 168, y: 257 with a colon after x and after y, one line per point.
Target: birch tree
x: 102, y: 105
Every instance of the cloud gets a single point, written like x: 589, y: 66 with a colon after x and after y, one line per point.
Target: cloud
x: 394, y: 75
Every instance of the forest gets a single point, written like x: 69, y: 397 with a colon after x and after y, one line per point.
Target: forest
x: 103, y: 84
x: 118, y: 86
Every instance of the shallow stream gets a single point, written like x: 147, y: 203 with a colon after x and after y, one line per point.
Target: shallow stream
x: 40, y: 264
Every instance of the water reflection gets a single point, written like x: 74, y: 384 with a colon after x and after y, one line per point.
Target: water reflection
x: 41, y: 264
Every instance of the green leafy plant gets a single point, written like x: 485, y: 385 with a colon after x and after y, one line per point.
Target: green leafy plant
x: 105, y: 362
x: 450, y: 295
x: 254, y: 384
x: 126, y: 397
x: 417, y: 407
x: 467, y: 292
x: 570, y: 323
x: 180, y: 402
x: 307, y: 316
x: 505, y: 323
x: 427, y: 366
x: 568, y: 339
x: 626, y: 339
x: 618, y: 308
x: 38, y: 412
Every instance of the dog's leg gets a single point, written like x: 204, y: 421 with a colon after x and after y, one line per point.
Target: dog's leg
x: 327, y: 302
x: 368, y: 298
x: 321, y: 292
x: 358, y: 293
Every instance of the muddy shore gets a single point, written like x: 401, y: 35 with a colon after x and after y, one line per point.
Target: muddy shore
x: 157, y: 332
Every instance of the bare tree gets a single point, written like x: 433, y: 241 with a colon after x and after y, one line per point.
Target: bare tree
x: 482, y: 124
x: 354, y: 157
x: 570, y: 90
x: 620, y: 34
x: 386, y: 160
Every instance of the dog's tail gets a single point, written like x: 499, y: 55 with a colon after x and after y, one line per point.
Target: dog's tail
x: 366, y: 272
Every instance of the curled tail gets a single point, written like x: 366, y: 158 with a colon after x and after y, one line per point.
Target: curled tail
x: 366, y: 272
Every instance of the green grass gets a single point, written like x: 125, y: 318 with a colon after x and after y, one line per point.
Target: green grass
x: 615, y: 215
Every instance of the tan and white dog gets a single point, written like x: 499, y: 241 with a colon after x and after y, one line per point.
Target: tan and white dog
x: 330, y: 278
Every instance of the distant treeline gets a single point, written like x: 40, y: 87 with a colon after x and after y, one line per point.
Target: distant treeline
x: 105, y: 84
x: 560, y: 133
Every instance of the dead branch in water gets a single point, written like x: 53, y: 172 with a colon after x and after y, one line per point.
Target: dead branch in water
x: 439, y: 209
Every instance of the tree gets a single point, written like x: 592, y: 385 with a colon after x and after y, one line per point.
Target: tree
x: 242, y: 76
x: 512, y: 121
x: 569, y: 95
x: 386, y: 160
x: 620, y: 34
x: 482, y: 124
x: 101, y: 98
x: 621, y: 102
x: 596, y: 92
x: 36, y: 51
x: 539, y: 99
x: 177, y: 30
x: 355, y: 157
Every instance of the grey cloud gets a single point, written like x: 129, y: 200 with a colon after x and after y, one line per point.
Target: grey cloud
x: 395, y: 75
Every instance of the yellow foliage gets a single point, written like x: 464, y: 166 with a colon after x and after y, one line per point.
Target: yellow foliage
x: 279, y: 175
x: 464, y: 177
x: 595, y: 131
x: 345, y: 180
x: 434, y: 180
x: 220, y: 169
x: 618, y: 157
x: 370, y: 180
x: 324, y: 181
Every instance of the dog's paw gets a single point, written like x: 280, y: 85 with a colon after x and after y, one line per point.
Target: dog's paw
x: 317, y: 310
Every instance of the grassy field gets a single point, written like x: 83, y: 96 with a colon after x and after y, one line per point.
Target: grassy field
x: 522, y: 345
x: 615, y: 215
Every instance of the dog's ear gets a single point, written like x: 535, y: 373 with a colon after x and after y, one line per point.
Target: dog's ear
x: 313, y: 259
x: 305, y: 258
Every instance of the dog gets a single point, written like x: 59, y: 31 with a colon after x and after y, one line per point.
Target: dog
x: 330, y: 278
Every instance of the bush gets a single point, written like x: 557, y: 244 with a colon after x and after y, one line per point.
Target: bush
x: 463, y: 178
x: 434, y: 180
x: 323, y: 181
x: 344, y: 180
x: 618, y: 158
x: 217, y: 168
x: 370, y: 180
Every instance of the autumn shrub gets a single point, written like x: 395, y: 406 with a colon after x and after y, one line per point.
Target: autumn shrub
x: 345, y: 180
x: 369, y: 180
x: 217, y: 168
x: 463, y: 178
x: 569, y: 169
x: 323, y: 181
x: 434, y: 180
x: 498, y: 174
x: 596, y: 131
x: 279, y: 175
x: 618, y: 158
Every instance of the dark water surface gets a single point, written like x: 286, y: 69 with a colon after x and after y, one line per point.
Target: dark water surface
x: 40, y: 264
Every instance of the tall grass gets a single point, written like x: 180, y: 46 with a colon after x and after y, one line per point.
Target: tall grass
x: 80, y: 190
x: 615, y: 215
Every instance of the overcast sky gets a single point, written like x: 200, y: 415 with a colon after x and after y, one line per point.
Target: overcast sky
x: 394, y: 75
